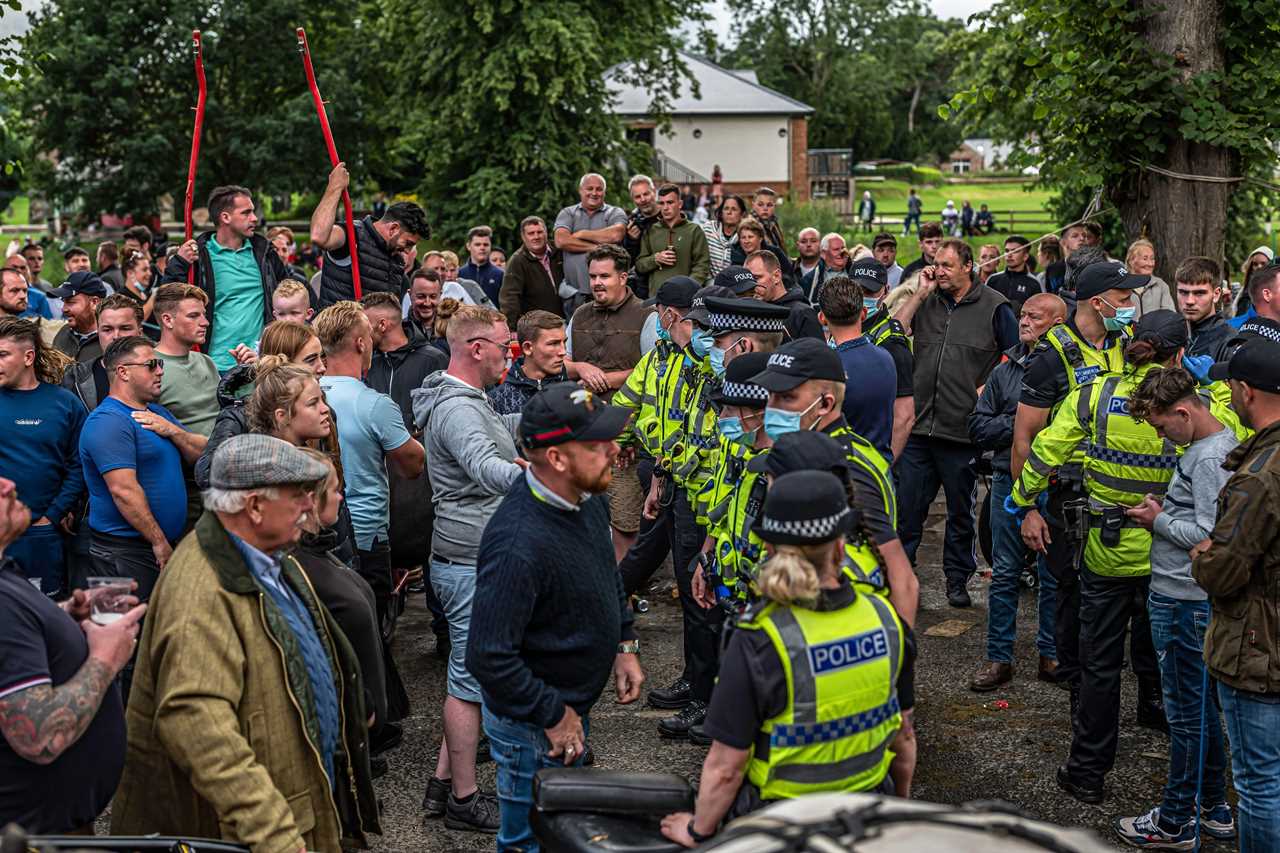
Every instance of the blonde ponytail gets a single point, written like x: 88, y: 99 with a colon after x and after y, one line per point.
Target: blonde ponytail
x: 790, y: 576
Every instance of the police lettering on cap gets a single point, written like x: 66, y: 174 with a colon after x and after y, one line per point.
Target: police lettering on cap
x: 805, y: 508
x: 870, y: 274
x: 1256, y: 362
x: 736, y: 278
x: 675, y: 292
x: 564, y: 412
x: 799, y: 361
x: 744, y: 315
x: 699, y: 312
x: 1097, y: 279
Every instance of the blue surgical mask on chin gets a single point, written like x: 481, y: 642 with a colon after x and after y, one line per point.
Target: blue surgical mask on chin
x: 733, y: 430
x: 701, y: 343
x: 779, y: 422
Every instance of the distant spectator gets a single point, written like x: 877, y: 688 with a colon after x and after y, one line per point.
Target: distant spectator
x: 379, y: 244
x: 764, y: 208
x: 872, y: 385
x: 1258, y: 258
x: 639, y: 221
x: 988, y: 261
x: 1015, y: 283
x: 1048, y: 253
x: 40, y: 426
x: 292, y: 302
x: 1199, y: 282
x: 466, y: 291
x: 139, y: 275
x: 722, y: 232
x: 109, y: 265
x: 673, y: 245
x: 498, y: 257
x: 136, y: 238
x: 867, y: 212
x: 770, y: 287
x: 532, y: 280
x: 914, y: 208
x: 966, y: 219
x: 1055, y: 274
x: 951, y: 219
x: 541, y: 336
x: 984, y: 223
x: 751, y: 238
x: 63, y: 745
x: 13, y: 293
x: 424, y: 300
x: 132, y: 451
x: 1140, y: 259
x: 885, y: 250
x: 835, y: 260
x: 283, y: 243
x: 236, y: 268
x: 581, y: 227
x: 75, y: 259
x: 930, y: 240
x: 37, y: 302
x: 808, y: 253
x: 34, y: 253
x: 478, y: 268
x: 80, y: 294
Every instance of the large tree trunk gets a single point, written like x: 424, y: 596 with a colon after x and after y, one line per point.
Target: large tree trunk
x: 1182, y: 217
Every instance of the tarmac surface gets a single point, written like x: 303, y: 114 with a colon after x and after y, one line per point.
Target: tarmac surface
x: 998, y: 746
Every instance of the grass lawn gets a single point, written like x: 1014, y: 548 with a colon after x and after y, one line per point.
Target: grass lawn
x: 891, y: 196
x: 16, y: 213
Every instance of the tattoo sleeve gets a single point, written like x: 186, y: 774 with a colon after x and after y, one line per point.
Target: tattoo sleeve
x: 41, y: 722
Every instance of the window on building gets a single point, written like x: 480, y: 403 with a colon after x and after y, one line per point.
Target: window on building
x: 959, y: 167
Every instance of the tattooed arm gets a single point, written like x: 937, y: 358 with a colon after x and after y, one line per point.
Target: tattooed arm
x: 42, y: 722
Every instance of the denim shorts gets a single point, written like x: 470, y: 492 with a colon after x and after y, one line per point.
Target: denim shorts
x: 455, y: 586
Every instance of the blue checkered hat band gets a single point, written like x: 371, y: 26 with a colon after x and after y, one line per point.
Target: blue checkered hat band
x: 744, y: 391
x: 745, y: 323
x: 806, y: 528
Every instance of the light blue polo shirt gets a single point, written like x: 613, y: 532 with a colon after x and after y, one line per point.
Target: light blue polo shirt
x: 238, y: 308
x: 369, y: 427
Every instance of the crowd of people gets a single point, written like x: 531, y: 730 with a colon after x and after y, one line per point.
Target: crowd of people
x: 233, y: 462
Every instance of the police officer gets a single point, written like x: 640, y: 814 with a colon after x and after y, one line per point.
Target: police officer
x: 888, y: 334
x: 780, y: 731
x: 1124, y: 460
x: 1089, y: 343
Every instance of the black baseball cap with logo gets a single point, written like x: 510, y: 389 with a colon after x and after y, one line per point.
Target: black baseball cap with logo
x: 80, y: 282
x: 699, y: 313
x: 1256, y: 362
x: 870, y: 274
x: 566, y: 412
x: 675, y: 292
x: 1097, y: 279
x: 736, y: 278
x: 797, y: 362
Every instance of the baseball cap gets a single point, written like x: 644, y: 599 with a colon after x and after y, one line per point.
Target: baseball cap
x: 1164, y: 327
x: 736, y: 278
x: 799, y: 361
x: 675, y: 292
x: 1098, y: 278
x: 1256, y: 362
x: 869, y: 273
x: 884, y: 240
x: 699, y: 313
x: 565, y: 412
x: 80, y: 282
x: 803, y: 450
x: 805, y: 508
x: 255, y: 460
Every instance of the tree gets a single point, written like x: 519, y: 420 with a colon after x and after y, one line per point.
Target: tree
x: 1119, y: 94
x: 874, y: 72
x: 108, y: 94
x: 511, y: 108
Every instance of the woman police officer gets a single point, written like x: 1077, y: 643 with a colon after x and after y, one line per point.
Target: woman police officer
x: 806, y: 701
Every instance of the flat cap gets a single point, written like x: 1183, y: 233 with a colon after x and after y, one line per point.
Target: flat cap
x: 254, y: 461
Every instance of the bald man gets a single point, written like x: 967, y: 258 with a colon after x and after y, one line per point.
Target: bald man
x: 991, y: 427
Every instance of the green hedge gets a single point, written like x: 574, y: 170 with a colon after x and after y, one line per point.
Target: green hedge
x: 905, y: 172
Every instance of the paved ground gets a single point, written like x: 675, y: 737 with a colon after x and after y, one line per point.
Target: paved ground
x: 970, y: 749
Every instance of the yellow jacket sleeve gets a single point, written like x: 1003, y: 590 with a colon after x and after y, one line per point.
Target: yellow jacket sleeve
x: 1053, y: 445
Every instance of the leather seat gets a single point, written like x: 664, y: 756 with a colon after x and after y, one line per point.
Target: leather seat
x: 579, y: 810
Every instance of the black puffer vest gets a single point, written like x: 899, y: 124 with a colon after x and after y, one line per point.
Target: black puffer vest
x: 379, y: 268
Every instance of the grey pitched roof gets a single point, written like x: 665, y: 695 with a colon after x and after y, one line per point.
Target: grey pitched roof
x: 722, y: 92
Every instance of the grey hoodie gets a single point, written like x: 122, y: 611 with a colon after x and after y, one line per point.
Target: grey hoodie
x: 471, y: 452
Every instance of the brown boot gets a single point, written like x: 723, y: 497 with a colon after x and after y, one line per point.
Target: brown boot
x: 991, y: 676
x: 1048, y: 670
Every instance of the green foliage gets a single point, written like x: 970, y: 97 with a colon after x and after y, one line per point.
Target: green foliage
x: 110, y: 89
x: 815, y: 214
x: 874, y: 70
x: 519, y: 109
x: 922, y: 175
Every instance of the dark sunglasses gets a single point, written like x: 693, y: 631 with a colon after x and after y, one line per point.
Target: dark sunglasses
x: 152, y: 364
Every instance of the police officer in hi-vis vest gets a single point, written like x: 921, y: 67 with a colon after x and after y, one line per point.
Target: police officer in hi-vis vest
x: 806, y: 701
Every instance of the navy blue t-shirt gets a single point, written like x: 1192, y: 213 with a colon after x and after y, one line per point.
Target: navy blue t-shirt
x: 871, y: 386
x: 111, y: 439
x: 40, y: 644
x: 39, y: 448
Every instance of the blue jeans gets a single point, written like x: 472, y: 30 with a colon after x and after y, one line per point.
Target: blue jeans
x: 1177, y: 632
x: 519, y: 750
x: 1252, y: 722
x: 1007, y: 552
x: 38, y: 552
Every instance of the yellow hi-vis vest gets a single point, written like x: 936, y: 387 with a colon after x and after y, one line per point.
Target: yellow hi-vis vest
x: 842, y: 709
x: 1083, y: 363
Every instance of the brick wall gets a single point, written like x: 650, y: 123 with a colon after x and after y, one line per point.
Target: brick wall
x: 799, y: 135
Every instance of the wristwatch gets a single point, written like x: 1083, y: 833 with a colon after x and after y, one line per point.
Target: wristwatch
x: 629, y: 647
x: 698, y: 838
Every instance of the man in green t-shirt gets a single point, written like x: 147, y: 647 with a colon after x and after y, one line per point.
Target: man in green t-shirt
x: 189, y: 386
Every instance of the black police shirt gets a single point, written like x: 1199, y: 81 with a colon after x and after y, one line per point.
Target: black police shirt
x: 1017, y: 287
x: 904, y: 363
x: 40, y: 644
x: 1045, y: 382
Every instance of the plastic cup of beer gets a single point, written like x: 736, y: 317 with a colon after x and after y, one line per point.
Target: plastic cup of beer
x: 107, y: 599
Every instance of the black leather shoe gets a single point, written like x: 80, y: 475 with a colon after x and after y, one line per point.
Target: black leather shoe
x: 673, y: 697
x: 378, y: 767
x: 436, y: 799
x: 957, y: 595
x: 388, y: 738
x: 1151, y: 715
x: 698, y: 736
x: 676, y: 727
x: 1083, y: 793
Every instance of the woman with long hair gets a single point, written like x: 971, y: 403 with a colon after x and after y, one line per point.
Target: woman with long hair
x: 780, y: 731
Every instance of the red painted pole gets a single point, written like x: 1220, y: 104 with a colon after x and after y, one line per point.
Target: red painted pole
x: 305, y: 50
x: 195, y: 143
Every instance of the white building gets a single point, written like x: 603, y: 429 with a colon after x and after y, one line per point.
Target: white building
x: 756, y: 135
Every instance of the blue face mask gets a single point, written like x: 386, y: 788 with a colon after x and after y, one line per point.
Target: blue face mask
x: 779, y: 422
x: 663, y: 334
x: 872, y: 305
x: 716, y: 357
x: 1122, y: 320
x: 701, y: 343
x: 731, y: 428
